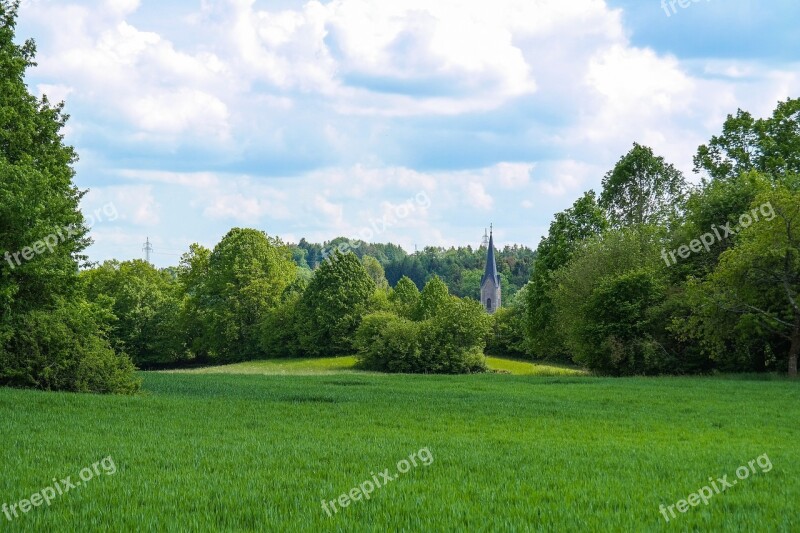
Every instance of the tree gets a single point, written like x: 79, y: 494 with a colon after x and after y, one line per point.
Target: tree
x: 509, y: 328
x: 449, y: 342
x: 279, y: 329
x: 333, y: 304
x: 641, y: 189
x: 770, y: 146
x: 247, y: 275
x: 432, y: 299
x: 404, y: 298
x: 146, y: 304
x: 717, y: 204
x: 50, y: 337
x: 757, y: 283
x: 375, y: 271
x: 608, y: 305
x: 192, y: 275
x: 570, y: 228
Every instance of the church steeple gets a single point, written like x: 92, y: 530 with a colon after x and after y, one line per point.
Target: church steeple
x: 491, y: 264
x: 490, y: 282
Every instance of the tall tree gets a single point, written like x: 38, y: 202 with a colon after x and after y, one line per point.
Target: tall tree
x: 757, y: 282
x: 333, y: 304
x: 769, y: 145
x: 49, y: 336
x: 570, y: 228
x: 641, y: 189
x: 404, y: 298
x: 375, y: 271
x: 247, y: 275
x: 147, y: 305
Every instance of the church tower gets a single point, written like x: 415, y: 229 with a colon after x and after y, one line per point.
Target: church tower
x: 490, y: 282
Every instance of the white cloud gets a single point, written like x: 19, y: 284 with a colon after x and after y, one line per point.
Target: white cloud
x: 351, y: 95
x: 134, y: 204
x: 475, y: 195
x: 567, y: 179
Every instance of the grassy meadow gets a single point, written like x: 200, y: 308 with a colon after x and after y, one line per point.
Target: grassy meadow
x: 258, y: 446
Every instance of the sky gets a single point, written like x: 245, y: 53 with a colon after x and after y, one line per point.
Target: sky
x: 418, y: 122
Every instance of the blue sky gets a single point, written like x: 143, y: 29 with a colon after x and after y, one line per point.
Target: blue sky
x: 317, y: 119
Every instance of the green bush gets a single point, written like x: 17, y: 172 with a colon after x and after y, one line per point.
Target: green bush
x: 450, y: 341
x: 389, y: 343
x: 615, y: 336
x: 64, y: 349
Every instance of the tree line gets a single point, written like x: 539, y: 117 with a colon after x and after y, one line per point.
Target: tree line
x: 656, y: 276
x: 651, y: 276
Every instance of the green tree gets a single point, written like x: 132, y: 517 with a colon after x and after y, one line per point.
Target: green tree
x: 609, y: 303
x: 450, y: 342
x: 404, y: 298
x: 770, y: 146
x: 42, y: 237
x: 756, y: 287
x: 642, y: 189
x: 375, y: 271
x: 247, y: 275
x: 333, y: 304
x: 147, y: 305
x: 713, y: 206
x: 433, y: 298
x: 509, y: 327
x: 585, y: 219
x: 279, y: 331
x: 192, y: 275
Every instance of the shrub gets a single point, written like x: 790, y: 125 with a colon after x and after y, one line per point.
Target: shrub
x: 389, y: 343
x: 450, y: 342
x: 64, y: 349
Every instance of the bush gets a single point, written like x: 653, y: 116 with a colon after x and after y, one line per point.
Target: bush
x: 449, y: 342
x: 615, y: 337
x: 64, y: 349
x: 389, y: 343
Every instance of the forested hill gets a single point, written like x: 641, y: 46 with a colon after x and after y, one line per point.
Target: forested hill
x: 461, y: 268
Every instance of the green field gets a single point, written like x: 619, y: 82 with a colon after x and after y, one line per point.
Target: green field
x: 213, y: 450
x: 342, y: 365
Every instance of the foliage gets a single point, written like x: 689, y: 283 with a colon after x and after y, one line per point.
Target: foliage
x: 247, y: 274
x: 331, y: 307
x: 64, y: 348
x: 42, y: 345
x: 433, y: 298
x: 770, y: 146
x: 642, y: 189
x: 570, y: 228
x: 404, y: 298
x: 447, y: 335
x: 147, y: 305
x: 508, y: 337
x: 375, y: 271
x: 753, y: 294
x: 279, y: 334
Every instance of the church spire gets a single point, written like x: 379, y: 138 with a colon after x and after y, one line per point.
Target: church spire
x: 490, y: 282
x: 491, y: 264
